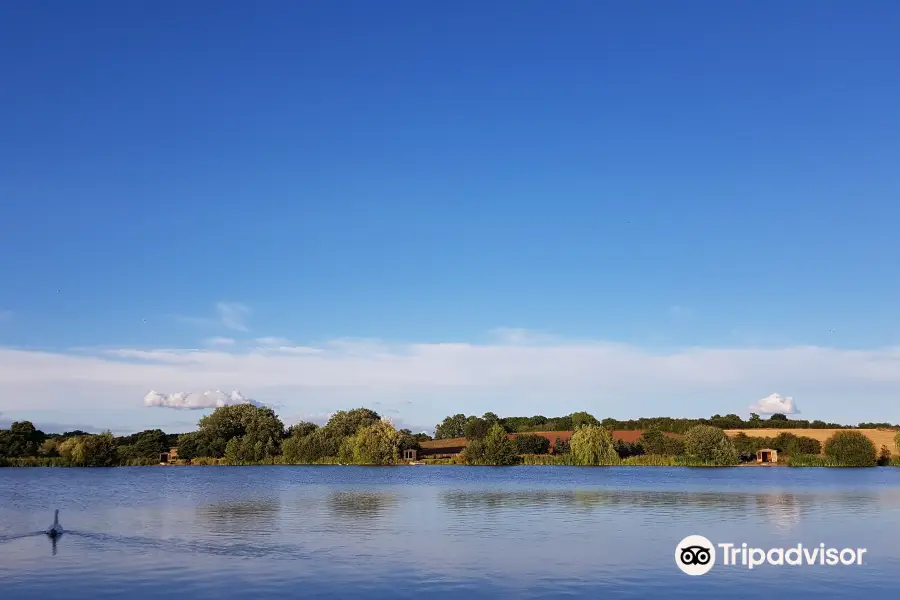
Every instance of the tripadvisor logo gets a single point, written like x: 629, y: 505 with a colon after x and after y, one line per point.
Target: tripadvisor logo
x: 696, y: 555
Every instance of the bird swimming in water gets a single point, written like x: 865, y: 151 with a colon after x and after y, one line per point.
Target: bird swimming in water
x: 56, y: 529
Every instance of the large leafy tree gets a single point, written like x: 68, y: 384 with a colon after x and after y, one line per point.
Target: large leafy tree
x: 452, y: 427
x: 494, y: 448
x: 345, y: 423
x: 708, y: 443
x: 254, y: 423
x: 148, y: 444
x: 21, y: 439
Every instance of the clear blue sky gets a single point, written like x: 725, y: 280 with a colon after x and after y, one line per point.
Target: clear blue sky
x: 659, y: 174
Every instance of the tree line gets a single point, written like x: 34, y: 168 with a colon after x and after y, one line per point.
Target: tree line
x: 238, y: 435
x: 460, y: 425
x: 247, y: 434
x: 702, y: 445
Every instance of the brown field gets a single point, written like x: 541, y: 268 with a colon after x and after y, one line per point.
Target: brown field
x: 879, y: 437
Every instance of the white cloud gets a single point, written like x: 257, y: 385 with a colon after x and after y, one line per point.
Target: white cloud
x: 233, y: 315
x: 775, y: 404
x: 220, y: 341
x: 550, y: 377
x: 196, y: 400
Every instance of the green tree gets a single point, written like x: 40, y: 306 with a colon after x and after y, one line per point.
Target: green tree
x: 778, y: 417
x: 21, y: 439
x: 248, y: 450
x: 258, y: 424
x: 808, y: 445
x: 851, y: 449
x: 408, y: 441
x: 49, y: 448
x: 312, y: 448
x: 150, y: 444
x: 90, y: 450
x: 451, y: 427
x: 345, y: 423
x: 785, y: 442
x: 583, y: 418
x: 301, y: 429
x: 528, y: 443
x: 884, y: 456
x: 593, y: 445
x: 653, y: 440
x: 193, y: 445
x: 375, y: 444
x: 495, y: 448
x: 707, y: 443
x: 897, y: 441
x: 477, y: 428
x: 561, y: 446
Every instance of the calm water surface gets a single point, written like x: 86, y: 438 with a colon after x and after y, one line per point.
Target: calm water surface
x: 438, y: 532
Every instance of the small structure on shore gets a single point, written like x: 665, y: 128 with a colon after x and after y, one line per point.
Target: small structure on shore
x: 767, y: 455
x: 410, y: 454
x: 170, y: 456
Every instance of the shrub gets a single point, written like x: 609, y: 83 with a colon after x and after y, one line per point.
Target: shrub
x: 785, y: 442
x: 528, y: 443
x: 593, y: 445
x: 674, y: 446
x: 884, y: 456
x: 851, y: 449
x: 812, y: 460
x: 897, y: 440
x: 709, y: 444
x: 628, y: 449
x: 653, y: 441
x: 808, y: 445
x: 561, y: 446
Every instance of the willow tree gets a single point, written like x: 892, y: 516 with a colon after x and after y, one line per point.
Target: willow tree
x: 375, y: 444
x: 593, y: 445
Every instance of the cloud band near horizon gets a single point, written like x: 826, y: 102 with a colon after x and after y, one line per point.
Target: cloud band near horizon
x: 604, y: 377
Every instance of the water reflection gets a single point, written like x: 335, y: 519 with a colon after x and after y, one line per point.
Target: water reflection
x: 783, y: 509
x: 257, y: 516
x: 359, y: 505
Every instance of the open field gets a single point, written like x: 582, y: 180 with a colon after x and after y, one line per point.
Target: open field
x: 880, y: 437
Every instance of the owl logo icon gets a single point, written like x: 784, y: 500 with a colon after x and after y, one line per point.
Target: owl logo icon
x: 695, y: 555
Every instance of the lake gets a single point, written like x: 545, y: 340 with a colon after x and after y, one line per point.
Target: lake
x: 438, y: 532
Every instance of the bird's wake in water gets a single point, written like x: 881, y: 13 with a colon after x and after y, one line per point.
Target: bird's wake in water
x: 55, y: 533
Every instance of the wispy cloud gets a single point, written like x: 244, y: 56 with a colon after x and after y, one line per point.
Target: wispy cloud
x: 233, y: 315
x: 775, y: 404
x: 220, y: 341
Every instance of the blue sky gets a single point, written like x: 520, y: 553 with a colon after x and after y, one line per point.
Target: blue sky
x: 533, y: 207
